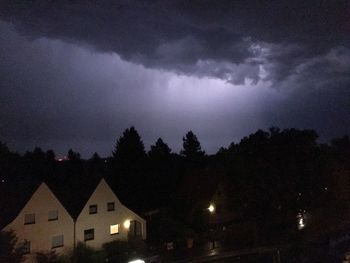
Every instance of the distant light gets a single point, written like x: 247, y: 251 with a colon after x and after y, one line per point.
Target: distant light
x: 126, y: 224
x: 3, y: 180
x: 211, y: 208
x: 326, y: 188
x: 137, y: 261
x: 301, y: 221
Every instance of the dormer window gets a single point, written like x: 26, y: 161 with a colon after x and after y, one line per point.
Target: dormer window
x: 29, y: 219
x: 93, y: 209
x: 53, y: 215
x: 110, y: 206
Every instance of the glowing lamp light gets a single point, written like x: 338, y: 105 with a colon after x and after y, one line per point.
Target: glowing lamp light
x: 211, y: 208
x: 126, y: 224
x: 137, y: 261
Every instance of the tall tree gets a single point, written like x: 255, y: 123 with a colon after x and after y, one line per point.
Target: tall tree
x: 160, y: 150
x: 73, y: 156
x: 192, y: 149
x: 129, y: 149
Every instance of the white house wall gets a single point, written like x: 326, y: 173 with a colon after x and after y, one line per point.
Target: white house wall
x: 41, y: 232
x: 103, y: 219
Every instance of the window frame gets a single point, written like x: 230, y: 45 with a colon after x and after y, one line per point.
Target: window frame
x: 26, y: 247
x: 85, y: 233
x: 27, y: 222
x: 108, y: 206
x: 52, y: 219
x: 110, y: 229
x: 93, y: 212
x: 57, y: 246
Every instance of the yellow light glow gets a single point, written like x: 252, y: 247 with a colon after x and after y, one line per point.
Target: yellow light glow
x: 211, y: 208
x: 114, y: 229
x: 127, y: 224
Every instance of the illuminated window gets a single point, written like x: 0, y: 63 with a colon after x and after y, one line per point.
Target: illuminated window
x: 29, y: 219
x: 93, y: 209
x: 53, y: 215
x: 114, y: 229
x: 89, y: 234
x: 26, y: 247
x: 57, y: 241
x: 110, y: 206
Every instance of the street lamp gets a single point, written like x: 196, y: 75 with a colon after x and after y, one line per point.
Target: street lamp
x: 211, y: 208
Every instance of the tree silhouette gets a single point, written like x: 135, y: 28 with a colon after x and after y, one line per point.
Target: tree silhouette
x: 192, y: 149
x: 4, y: 150
x: 96, y: 157
x: 160, y: 150
x: 50, y: 155
x: 129, y: 149
x: 9, y: 251
x: 73, y: 156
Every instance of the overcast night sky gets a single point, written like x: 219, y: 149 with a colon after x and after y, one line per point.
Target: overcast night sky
x: 75, y: 75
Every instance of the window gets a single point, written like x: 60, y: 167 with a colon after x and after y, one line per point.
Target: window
x: 110, y: 206
x: 26, y: 247
x: 93, y: 209
x: 29, y: 219
x: 57, y: 241
x: 89, y: 234
x: 53, y: 215
x: 114, y: 229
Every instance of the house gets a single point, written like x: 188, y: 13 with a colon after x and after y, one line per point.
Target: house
x: 54, y: 218
x: 43, y: 223
x: 104, y: 219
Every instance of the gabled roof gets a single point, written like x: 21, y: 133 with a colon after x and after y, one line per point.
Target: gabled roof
x: 12, y: 201
x: 72, y: 194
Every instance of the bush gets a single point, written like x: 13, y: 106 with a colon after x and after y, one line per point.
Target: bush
x: 10, y: 252
x: 49, y: 257
x: 85, y: 254
x: 122, y: 251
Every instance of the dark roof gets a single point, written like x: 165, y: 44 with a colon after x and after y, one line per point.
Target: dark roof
x: 13, y: 200
x: 73, y: 195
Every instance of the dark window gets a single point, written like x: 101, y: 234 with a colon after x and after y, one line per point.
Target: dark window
x: 29, y: 219
x: 135, y: 229
x: 57, y: 241
x: 89, y: 234
x: 110, y: 206
x: 26, y: 247
x: 53, y: 215
x: 93, y: 209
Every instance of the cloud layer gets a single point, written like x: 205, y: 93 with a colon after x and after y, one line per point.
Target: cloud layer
x: 77, y: 74
x: 206, y: 38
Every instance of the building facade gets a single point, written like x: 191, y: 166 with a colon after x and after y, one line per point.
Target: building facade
x: 44, y: 224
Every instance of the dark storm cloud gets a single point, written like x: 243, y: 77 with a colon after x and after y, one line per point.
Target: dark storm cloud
x: 76, y: 74
x: 206, y: 38
x: 317, y: 96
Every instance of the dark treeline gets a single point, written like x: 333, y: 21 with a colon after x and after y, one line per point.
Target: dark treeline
x: 270, y: 175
